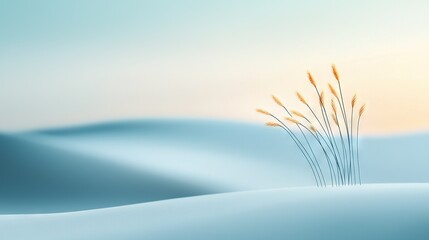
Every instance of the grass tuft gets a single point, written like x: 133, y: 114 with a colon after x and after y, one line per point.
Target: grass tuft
x: 337, y: 137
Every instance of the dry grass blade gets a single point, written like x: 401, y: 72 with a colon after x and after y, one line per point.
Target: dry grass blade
x: 277, y: 101
x: 298, y: 114
x: 292, y: 120
x: 311, y: 79
x: 322, y: 98
x: 335, y: 72
x: 334, y: 107
x: 333, y: 91
x: 301, y: 98
x: 362, y: 110
x: 272, y: 124
x: 335, y: 119
x: 354, y: 101
x: 263, y: 111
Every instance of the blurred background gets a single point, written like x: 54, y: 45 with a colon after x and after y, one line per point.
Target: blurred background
x: 74, y: 62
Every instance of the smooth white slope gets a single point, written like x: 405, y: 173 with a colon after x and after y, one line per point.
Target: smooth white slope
x: 111, y: 164
x: 397, y: 211
x: 40, y: 178
x: 240, y: 155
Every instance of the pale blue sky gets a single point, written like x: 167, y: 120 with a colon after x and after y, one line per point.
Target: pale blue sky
x: 69, y: 62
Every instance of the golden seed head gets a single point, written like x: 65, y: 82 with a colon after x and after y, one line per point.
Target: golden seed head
x: 311, y: 79
x: 322, y: 98
x: 277, y: 101
x: 354, y: 100
x: 312, y: 128
x: 333, y: 91
x: 293, y: 120
x: 335, y: 72
x: 263, y: 111
x: 272, y: 124
x: 334, y: 107
x: 335, y: 119
x: 296, y: 113
x: 301, y: 98
x: 362, y: 110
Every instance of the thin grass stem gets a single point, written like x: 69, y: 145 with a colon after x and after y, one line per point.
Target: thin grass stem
x: 301, y: 147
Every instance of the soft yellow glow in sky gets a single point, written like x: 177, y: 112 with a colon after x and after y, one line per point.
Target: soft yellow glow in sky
x: 394, y: 86
x: 70, y: 63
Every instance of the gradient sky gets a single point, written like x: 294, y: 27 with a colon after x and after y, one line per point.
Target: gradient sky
x: 73, y: 62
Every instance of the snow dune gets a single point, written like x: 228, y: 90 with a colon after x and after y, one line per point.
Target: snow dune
x: 202, y: 179
x: 390, y: 211
x: 36, y: 177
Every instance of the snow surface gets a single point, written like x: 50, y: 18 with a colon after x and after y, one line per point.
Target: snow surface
x: 202, y: 179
